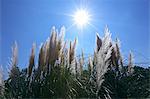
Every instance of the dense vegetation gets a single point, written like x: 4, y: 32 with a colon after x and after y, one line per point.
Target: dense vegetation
x: 60, y: 74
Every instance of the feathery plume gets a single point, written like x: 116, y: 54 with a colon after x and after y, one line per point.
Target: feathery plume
x: 51, y: 49
x: 14, y: 54
x: 118, y: 55
x: 31, y: 60
x: 71, y: 51
x: 41, y: 60
x: 47, y: 52
x: 60, y: 46
x: 14, y: 70
x: 130, y: 64
x: 52, y: 46
x: 103, y: 58
x: 71, y: 56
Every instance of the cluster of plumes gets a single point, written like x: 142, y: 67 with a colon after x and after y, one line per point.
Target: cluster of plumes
x: 54, y: 52
x: 107, y: 56
x: 14, y: 72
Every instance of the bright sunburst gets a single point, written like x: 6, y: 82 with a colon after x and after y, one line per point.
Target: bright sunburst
x: 81, y: 18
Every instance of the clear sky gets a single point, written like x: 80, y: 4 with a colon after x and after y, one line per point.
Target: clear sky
x: 28, y: 21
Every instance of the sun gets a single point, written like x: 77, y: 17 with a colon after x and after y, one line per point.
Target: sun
x: 81, y: 17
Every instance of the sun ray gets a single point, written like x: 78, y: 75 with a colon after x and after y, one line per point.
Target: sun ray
x: 68, y: 28
x: 93, y: 26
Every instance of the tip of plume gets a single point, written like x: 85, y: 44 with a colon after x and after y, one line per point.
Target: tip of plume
x: 99, y: 42
x: 53, y: 29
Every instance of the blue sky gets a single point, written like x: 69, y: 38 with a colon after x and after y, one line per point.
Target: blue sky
x: 28, y: 21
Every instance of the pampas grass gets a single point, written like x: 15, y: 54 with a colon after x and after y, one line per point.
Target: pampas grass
x: 31, y: 60
x: 130, y: 64
x: 71, y: 56
x: 103, y: 57
x: 14, y: 54
x: 59, y: 69
x: 42, y: 59
x: 14, y: 70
